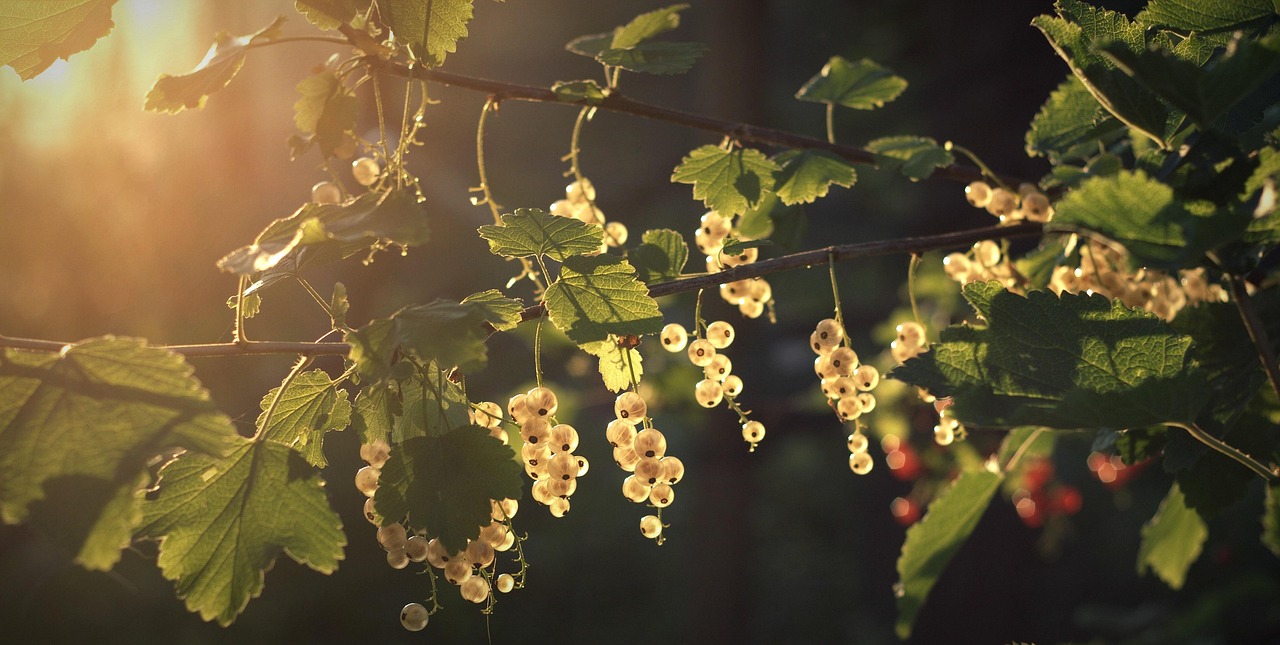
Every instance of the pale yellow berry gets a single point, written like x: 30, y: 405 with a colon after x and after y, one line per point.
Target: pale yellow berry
x: 620, y: 433
x: 326, y: 192
x: 615, y: 234
x: 662, y: 495
x: 650, y: 443
x: 844, y: 360
x: 506, y: 583
x: 674, y: 337
x: 700, y: 352
x: 630, y: 407
x: 709, y: 393
x: 861, y: 463
x: 634, y: 489
x: 541, y: 401
x: 367, y: 480
x: 732, y: 386
x: 857, y: 443
x: 752, y: 431
x: 366, y: 171
x: 720, y: 334
x: 650, y: 526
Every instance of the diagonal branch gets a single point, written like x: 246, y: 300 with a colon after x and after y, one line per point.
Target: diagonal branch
x: 1257, y: 331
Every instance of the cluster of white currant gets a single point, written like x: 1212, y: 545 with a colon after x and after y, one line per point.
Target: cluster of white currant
x: 911, y: 342
x: 719, y: 382
x: 366, y: 172
x: 1028, y: 203
x: 948, y: 429
x: 643, y: 453
x: 547, y: 450
x: 984, y: 262
x: 751, y: 296
x: 846, y: 384
x: 1105, y: 270
x: 860, y: 461
x: 580, y: 204
x: 471, y: 569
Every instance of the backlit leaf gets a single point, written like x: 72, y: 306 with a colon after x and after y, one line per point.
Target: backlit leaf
x: 225, y: 58
x: 647, y: 25
x: 329, y: 14
x: 862, y: 85
x: 658, y: 57
x: 661, y: 257
x: 310, y: 407
x: 326, y: 111
x: 598, y: 296
x: 432, y: 28
x: 1172, y: 540
x: 620, y: 368
x: 915, y: 157
x: 500, y: 311
x: 1204, y: 15
x: 579, y: 91
x: 728, y: 181
x: 807, y: 175
x: 38, y: 32
x: 444, y: 331
x: 532, y: 231
x: 1070, y: 124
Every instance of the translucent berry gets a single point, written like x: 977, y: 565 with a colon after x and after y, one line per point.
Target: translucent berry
x: 580, y: 191
x: 559, y: 507
x: 700, y: 352
x: 674, y: 337
x: 732, y: 385
x: 516, y: 408
x: 648, y: 471
x: 708, y: 392
x: 475, y: 589
x: 534, y: 454
x: 487, y: 415
x: 752, y: 431
x: 541, y: 401
x: 844, y: 360
x: 842, y: 387
x: 564, y: 438
x: 458, y: 571
x: 957, y: 267
x: 911, y: 334
x: 370, y: 513
x: 830, y: 331
x: 720, y: 334
x: 634, y: 489
x: 867, y: 377
x: 416, y: 548
x: 626, y: 458
x: 943, y: 435
x: 535, y: 430
x: 630, y: 407
x: 366, y: 171
x: 650, y: 442
x: 375, y: 454
x: 760, y: 291
x: 857, y: 443
x: 861, y: 463
x: 367, y: 480
x: 615, y: 234
x: 736, y: 292
x: 1002, y: 203
x: 504, y: 509
x: 650, y: 527
x: 563, y: 466
x: 745, y: 256
x: 719, y: 368
x: 978, y: 194
x: 751, y: 308
x: 540, y: 493
x: 583, y: 464
x: 867, y: 401
x: 823, y: 368
x: 326, y: 192
x: 849, y: 408
x: 392, y: 536
x: 672, y: 470
x: 397, y: 558
x: 662, y: 495
x: 506, y: 583
x: 437, y: 555
x: 413, y: 617
x: 479, y: 553
x: 716, y: 225
x: 986, y: 253
x: 708, y: 245
x: 620, y: 433
x: 1035, y: 207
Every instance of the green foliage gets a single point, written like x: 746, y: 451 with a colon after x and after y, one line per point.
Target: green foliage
x: 661, y: 256
x: 1072, y: 362
x: 252, y: 304
x: 224, y: 60
x: 443, y: 484
x: 38, y: 33
x: 1172, y: 540
x: 1071, y: 124
x: 431, y: 404
x: 598, y: 296
x: 587, y: 91
x: 338, y: 305
x: 862, y: 85
x: 501, y: 312
x: 432, y: 28
x: 620, y: 367
x: 1205, y: 15
x: 807, y: 175
x: 629, y: 48
x: 532, y: 231
x: 727, y: 181
x: 375, y: 410
x: 784, y: 225
x: 325, y: 112
x: 1224, y: 353
x: 329, y: 14
x: 223, y: 521
x: 446, y: 332
x: 1157, y: 229
x: 1271, y: 519
x: 79, y: 428
x: 654, y: 58
x: 915, y: 157
x: 308, y: 408
x: 934, y: 540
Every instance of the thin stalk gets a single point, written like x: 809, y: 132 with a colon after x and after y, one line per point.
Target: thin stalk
x: 537, y: 352
x: 911, y: 286
x: 494, y: 208
x: 1257, y: 330
x: 831, y: 123
x: 1269, y: 474
x: 237, y: 333
x: 1017, y: 454
x: 331, y: 40
x: 835, y: 291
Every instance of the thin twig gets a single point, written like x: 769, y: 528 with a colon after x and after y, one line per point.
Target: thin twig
x: 1269, y: 474
x: 1257, y: 331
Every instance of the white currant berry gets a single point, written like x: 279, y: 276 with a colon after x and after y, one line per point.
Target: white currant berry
x: 634, y: 489
x: 563, y: 466
x: 715, y: 224
x: 437, y: 555
x: 867, y: 401
x: 414, y: 617
x: 857, y: 443
x: 902, y: 353
x: 674, y: 337
x: 458, y: 571
x: 541, y: 401
x: 849, y: 408
x: 672, y: 470
x: 735, y: 292
x: 822, y: 346
x: 534, y: 454
x: 732, y: 385
x: 844, y: 360
x: 700, y: 352
x: 620, y: 433
x: 861, y: 463
x: 650, y: 526
x: 745, y: 256
x: 751, y: 308
x: 367, y: 480
x: 370, y: 513
x: 648, y: 471
x: 475, y: 589
x: 708, y: 245
x: 830, y: 331
x: 650, y: 442
x: 541, y: 491
x: 498, y: 433
x: 943, y: 435
x: 867, y: 377
x: 626, y: 458
x: 506, y: 583
x: 842, y: 387
x: 479, y: 553
x: 720, y: 334
x: 507, y: 542
x: 630, y: 407
x: 517, y: 410
x: 719, y: 368
x: 662, y: 495
x: 503, y: 510
x: 828, y: 386
x: 416, y: 548
x: 564, y: 438
x: 562, y: 487
x: 1035, y: 207
x: 366, y: 171
x: 1002, y: 203
x: 535, y: 430
x: 493, y: 534
x: 752, y: 431
x: 392, y: 536
x: 708, y: 392
x: 760, y: 291
x: 580, y: 191
x: 397, y: 558
x: 986, y: 253
x: 583, y: 464
x: 911, y: 334
x: 487, y: 414
x: 615, y: 234
x: 375, y: 454
x: 326, y: 192
x: 563, y: 208
x: 559, y: 507
x: 957, y: 267
x: 823, y: 368
x: 978, y: 194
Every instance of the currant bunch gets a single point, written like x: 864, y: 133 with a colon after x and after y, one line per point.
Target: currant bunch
x: 580, y: 203
x: 547, y: 449
x: 1027, y: 204
x: 641, y: 450
x: 910, y: 343
x: 719, y: 384
x: 846, y: 383
x: 751, y: 296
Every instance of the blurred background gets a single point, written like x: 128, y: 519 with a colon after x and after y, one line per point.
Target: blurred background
x: 111, y: 220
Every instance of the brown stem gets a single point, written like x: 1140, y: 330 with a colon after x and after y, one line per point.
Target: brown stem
x: 1257, y: 331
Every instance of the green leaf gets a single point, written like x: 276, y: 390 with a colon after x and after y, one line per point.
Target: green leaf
x: 659, y: 57
x: 432, y: 405
x: 339, y: 305
x: 1204, y: 15
x: 661, y: 257
x: 252, y: 304
x: 500, y: 311
x: 590, y: 46
x: 79, y: 428
x: 1158, y: 230
x: 1214, y: 481
x: 1070, y: 124
x: 734, y: 246
x: 1074, y: 36
x: 371, y: 221
x: 647, y: 25
x: 598, y: 296
x: 617, y: 364
x: 588, y: 92
x: 329, y: 14
x: 173, y: 94
x: 1271, y: 519
x: 222, y: 522
x: 728, y: 181
x: 432, y: 28
x: 862, y: 85
x: 311, y: 406
x: 1037, y: 265
x: 915, y: 157
x: 532, y: 231
x: 785, y: 225
x: 326, y: 110
x: 443, y: 484
x: 1072, y: 362
x: 372, y: 348
x: 38, y: 32
x: 1224, y: 353
x: 446, y: 332
x: 374, y: 413
x: 1172, y: 540
x: 934, y: 540
x: 807, y: 175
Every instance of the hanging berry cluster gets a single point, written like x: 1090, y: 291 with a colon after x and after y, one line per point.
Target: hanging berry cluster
x: 580, y: 203
x: 547, y: 450
x: 643, y: 453
x: 750, y: 296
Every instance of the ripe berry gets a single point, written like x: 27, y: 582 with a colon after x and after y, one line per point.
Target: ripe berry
x: 563, y: 466
x: 732, y: 385
x: 1002, y: 203
x: 978, y: 194
x: 564, y: 438
x: 535, y: 430
x: 648, y: 471
x: 487, y: 415
x: 414, y: 617
x: 634, y: 489
x: 392, y: 536
x: 752, y: 431
x: 630, y: 407
x: 366, y: 171
x: 849, y: 408
x: 620, y: 433
x: 751, y: 308
x: 561, y: 488
x: 746, y: 256
x: 1035, y: 207
x: 506, y: 583
x: 857, y: 443
x: 650, y: 443
x: 720, y: 334
x: 580, y: 191
x: 844, y: 360
x: 760, y: 291
x: 326, y: 192
x: 674, y: 337
x: 867, y: 377
x: 516, y: 408
x: 861, y: 463
x: 719, y: 368
x: 662, y: 495
x: 650, y: 526
x: 367, y: 480
x: 715, y: 225
x: 615, y: 234
x: 541, y: 401
x: 397, y: 558
x: 475, y: 589
x: 369, y: 512
x: 700, y: 352
x: 867, y: 401
x: 672, y: 470
x: 416, y: 548
x: 823, y: 368
x: 911, y: 334
x: 559, y: 507
x: 375, y: 454
x: 708, y: 393
x: 626, y: 458
x: 478, y: 552
x: 583, y: 465
x: 735, y: 292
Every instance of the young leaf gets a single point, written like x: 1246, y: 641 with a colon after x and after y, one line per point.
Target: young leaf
x: 223, y: 521
x: 934, y: 540
x: 785, y: 225
x: 807, y: 175
x: 310, y: 407
x: 444, y: 331
x: 587, y: 91
x: 1070, y: 124
x: 431, y: 27
x: 647, y: 25
x: 1158, y: 230
x: 326, y: 110
x: 252, y: 304
x: 329, y: 14
x: 372, y: 348
x: 915, y: 157
x: 78, y: 429
x: 728, y: 181
x: 339, y: 305
x: 1172, y: 540
x: 862, y: 85
x: 618, y: 365
x: 500, y: 311
x: 598, y: 296
x: 1072, y: 362
x: 658, y: 57
x: 661, y: 257
x: 38, y: 33
x: 444, y: 484
x: 532, y: 231
x: 1204, y: 15
x: 173, y: 94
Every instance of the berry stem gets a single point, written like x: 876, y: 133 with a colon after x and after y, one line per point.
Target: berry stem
x: 697, y: 316
x: 1257, y: 331
x: 382, y: 121
x: 631, y: 368
x: 982, y: 167
x: 537, y: 353
x: 911, y: 286
x: 1268, y: 473
x: 1022, y: 449
x: 237, y: 335
x: 494, y: 208
x: 835, y: 294
x: 831, y: 123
